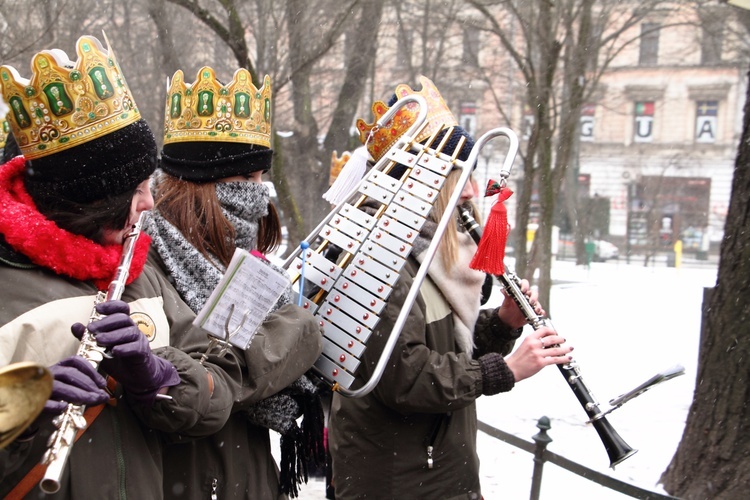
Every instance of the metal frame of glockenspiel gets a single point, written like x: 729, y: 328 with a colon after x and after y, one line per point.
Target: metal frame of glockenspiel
x: 377, y: 246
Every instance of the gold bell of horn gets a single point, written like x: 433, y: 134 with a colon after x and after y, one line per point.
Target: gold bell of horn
x: 24, y: 388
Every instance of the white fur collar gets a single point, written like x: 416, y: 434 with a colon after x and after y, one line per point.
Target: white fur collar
x: 461, y: 287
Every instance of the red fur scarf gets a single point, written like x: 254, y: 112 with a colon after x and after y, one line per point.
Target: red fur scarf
x: 28, y: 232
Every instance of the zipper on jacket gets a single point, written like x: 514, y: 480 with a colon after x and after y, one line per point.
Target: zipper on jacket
x: 119, y: 455
x: 214, y: 487
x: 429, y: 441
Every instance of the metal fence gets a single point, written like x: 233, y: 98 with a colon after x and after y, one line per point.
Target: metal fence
x: 541, y: 455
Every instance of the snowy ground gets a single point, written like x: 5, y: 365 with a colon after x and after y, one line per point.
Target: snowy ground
x: 627, y: 323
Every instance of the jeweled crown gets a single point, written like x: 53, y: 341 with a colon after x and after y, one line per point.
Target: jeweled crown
x: 438, y: 116
x: 65, y: 103
x: 4, y: 131
x: 207, y: 110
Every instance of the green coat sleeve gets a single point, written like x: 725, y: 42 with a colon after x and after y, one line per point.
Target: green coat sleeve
x: 492, y: 335
x: 424, y: 374
x: 285, y: 346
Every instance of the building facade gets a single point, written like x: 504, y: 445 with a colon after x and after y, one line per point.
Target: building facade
x: 662, y: 140
x: 658, y: 139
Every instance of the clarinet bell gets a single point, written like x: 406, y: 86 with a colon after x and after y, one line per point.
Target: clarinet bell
x: 617, y: 449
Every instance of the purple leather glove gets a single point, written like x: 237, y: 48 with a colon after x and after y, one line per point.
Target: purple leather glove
x: 133, y: 365
x: 75, y: 381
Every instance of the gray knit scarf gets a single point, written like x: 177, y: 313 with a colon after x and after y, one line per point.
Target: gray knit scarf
x: 195, y: 277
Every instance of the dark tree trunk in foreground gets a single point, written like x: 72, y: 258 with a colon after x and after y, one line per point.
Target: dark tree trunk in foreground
x: 713, y: 458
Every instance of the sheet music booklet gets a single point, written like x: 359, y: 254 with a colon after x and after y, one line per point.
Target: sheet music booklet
x: 246, y: 294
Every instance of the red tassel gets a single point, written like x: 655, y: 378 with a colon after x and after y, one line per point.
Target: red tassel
x: 491, y: 252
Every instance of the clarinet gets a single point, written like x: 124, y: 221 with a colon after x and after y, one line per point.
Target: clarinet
x: 72, y: 420
x: 617, y: 449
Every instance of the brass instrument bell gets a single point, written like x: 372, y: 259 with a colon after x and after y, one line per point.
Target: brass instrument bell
x: 24, y: 388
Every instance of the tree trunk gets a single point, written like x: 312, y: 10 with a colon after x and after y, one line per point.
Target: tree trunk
x: 358, y: 63
x: 712, y: 458
x: 309, y: 176
x: 523, y: 204
x: 575, y: 62
x: 549, y: 53
x: 169, y: 61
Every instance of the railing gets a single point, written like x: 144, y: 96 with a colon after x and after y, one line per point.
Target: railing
x: 542, y: 455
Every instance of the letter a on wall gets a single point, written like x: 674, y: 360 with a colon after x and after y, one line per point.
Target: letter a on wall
x: 706, y: 121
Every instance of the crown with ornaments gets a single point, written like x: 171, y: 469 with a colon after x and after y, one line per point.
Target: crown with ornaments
x: 337, y: 163
x: 379, y: 140
x: 209, y: 111
x: 4, y: 131
x: 67, y: 103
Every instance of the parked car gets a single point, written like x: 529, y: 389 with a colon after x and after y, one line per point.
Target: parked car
x: 604, y: 250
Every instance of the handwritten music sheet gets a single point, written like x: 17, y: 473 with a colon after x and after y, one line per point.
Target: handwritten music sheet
x: 248, y: 291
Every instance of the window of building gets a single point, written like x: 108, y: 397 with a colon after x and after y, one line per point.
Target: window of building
x: 649, y: 55
x: 706, y: 117
x: 587, y: 122
x: 467, y: 118
x: 712, y: 37
x: 471, y: 47
x: 644, y: 121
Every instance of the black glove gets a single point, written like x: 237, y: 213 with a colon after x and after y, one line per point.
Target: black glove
x: 133, y: 365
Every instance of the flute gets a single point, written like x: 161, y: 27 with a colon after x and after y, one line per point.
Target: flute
x: 72, y: 420
x: 617, y: 449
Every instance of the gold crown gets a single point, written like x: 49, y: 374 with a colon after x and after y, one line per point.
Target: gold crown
x: 210, y: 111
x: 337, y: 164
x: 66, y: 104
x: 4, y: 131
x: 438, y: 116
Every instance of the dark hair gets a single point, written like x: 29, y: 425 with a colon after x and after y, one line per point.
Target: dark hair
x: 89, y: 220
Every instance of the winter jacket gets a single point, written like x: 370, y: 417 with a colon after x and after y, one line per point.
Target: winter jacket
x: 423, y: 407
x: 237, y: 462
x: 118, y: 456
x: 120, y: 453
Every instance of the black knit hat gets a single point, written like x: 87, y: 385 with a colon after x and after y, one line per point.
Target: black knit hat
x: 448, y: 148
x: 210, y: 161
x: 452, y: 142
x: 106, y: 166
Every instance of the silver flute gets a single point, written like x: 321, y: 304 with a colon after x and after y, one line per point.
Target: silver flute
x: 72, y: 420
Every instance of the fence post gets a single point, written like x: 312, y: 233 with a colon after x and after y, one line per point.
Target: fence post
x: 542, y: 440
